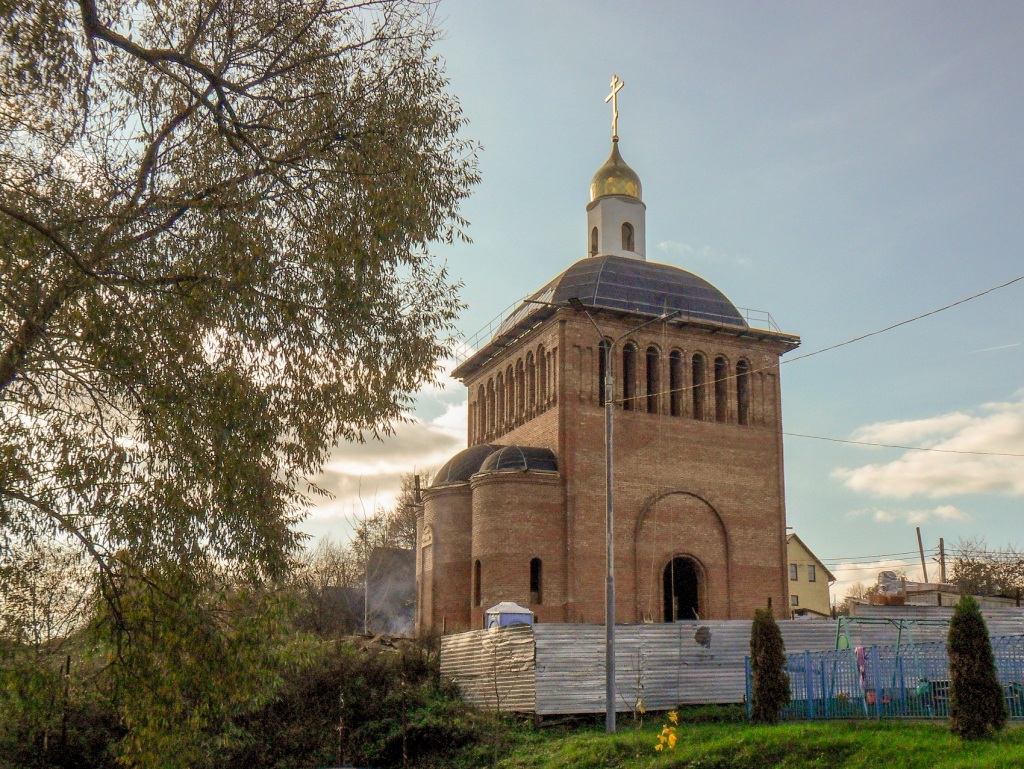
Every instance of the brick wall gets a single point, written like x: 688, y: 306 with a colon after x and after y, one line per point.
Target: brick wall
x: 700, y: 476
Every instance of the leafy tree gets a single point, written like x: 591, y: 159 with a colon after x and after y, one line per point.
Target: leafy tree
x: 394, y: 527
x: 770, y: 683
x: 976, y: 704
x: 214, y: 224
x: 980, y: 570
x: 402, y: 517
x: 324, y: 577
x: 46, y: 596
x: 855, y: 592
x: 329, y: 575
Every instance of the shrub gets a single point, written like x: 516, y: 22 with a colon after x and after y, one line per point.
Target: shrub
x: 976, y: 705
x: 362, y: 704
x: 767, y: 660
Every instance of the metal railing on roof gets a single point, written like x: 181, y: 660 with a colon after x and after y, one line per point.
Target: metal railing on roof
x: 532, y: 304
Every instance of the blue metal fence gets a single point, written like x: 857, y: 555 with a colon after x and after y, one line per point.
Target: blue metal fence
x: 906, y: 681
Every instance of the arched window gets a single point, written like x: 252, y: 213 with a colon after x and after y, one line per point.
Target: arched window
x: 743, y: 392
x: 531, y: 383
x: 489, y: 430
x: 476, y: 583
x: 510, y: 397
x: 520, y: 390
x: 542, y: 378
x: 721, y: 390
x: 536, y: 576
x: 700, y: 385
x: 593, y: 242
x: 481, y: 413
x: 628, y: 243
x: 653, y: 379
x: 602, y: 369
x: 499, y: 403
x: 629, y: 377
x: 675, y: 383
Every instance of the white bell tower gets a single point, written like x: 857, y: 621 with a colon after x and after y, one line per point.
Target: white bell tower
x: 616, y: 223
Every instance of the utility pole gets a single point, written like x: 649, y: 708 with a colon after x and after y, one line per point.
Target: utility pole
x: 609, y: 495
x: 942, y: 560
x: 920, y: 548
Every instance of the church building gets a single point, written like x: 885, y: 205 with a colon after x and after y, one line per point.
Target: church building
x: 700, y: 517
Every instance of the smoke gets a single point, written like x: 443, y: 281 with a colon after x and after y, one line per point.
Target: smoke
x: 391, y: 591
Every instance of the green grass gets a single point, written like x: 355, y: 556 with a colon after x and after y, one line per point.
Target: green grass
x: 793, y: 745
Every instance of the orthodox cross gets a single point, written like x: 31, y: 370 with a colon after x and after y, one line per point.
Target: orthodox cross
x: 613, y: 97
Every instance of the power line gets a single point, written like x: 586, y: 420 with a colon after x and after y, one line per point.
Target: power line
x: 905, y: 322
x: 893, y: 563
x: 638, y: 398
x: 887, y: 567
x: 952, y: 552
x: 875, y: 558
x: 907, y: 448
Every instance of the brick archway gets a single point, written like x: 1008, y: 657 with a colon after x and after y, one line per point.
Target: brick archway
x: 680, y: 523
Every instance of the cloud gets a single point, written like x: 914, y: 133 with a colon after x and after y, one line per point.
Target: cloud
x: 447, y: 387
x: 364, y: 477
x: 996, y: 428
x: 912, y: 430
x: 997, y: 347
x: 916, y: 517
x: 703, y: 253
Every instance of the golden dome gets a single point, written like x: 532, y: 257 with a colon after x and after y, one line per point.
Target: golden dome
x: 615, y: 178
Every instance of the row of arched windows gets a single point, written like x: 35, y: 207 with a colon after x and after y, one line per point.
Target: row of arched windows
x: 710, y: 389
x: 514, y: 396
x: 536, y: 582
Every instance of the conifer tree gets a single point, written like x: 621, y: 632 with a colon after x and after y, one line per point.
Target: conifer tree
x: 976, y: 705
x: 767, y: 660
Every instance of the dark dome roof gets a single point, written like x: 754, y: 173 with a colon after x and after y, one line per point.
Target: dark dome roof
x: 520, y: 458
x: 635, y: 285
x: 463, y: 465
x: 619, y: 284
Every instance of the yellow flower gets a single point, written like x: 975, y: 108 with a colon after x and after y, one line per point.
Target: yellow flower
x: 668, y: 738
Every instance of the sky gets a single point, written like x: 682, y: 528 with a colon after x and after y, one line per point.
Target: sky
x: 844, y: 166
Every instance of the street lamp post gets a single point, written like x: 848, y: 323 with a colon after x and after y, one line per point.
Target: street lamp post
x: 609, y: 594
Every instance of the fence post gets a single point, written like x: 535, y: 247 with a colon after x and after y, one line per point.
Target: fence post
x: 826, y: 699
x: 877, y: 676
x: 746, y: 699
x: 809, y: 679
x: 903, y: 687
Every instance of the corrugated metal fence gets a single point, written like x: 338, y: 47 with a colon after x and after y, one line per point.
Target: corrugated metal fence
x: 661, y: 665
x: 494, y: 669
x: 559, y: 668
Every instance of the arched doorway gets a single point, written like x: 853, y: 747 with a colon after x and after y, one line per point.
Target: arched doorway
x: 681, y: 588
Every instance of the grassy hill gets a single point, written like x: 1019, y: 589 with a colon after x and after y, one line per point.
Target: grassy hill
x: 836, y: 745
